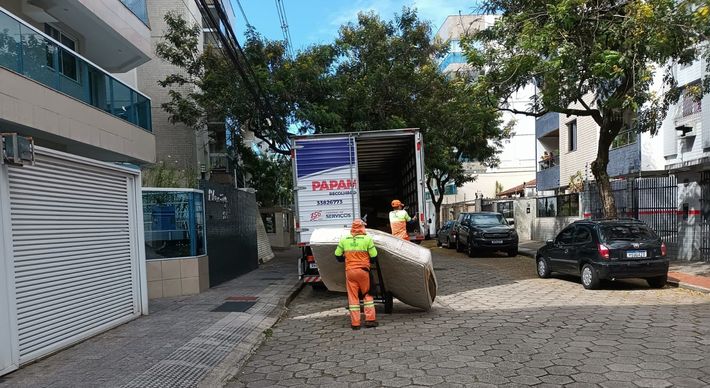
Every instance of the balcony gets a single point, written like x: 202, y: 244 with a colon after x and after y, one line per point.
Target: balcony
x: 548, y: 178
x: 27, y: 51
x: 452, y: 58
x: 547, y: 123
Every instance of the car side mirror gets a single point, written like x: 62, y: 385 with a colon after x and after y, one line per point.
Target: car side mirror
x: 550, y: 242
x: 511, y: 222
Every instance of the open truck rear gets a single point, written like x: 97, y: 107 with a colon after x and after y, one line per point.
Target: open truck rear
x: 340, y: 177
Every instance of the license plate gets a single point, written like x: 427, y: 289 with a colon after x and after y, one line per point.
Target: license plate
x: 635, y: 254
x: 497, y: 242
x: 313, y: 266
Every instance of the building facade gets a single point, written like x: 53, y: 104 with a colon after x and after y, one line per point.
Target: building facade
x: 686, y: 149
x: 517, y: 157
x: 72, y: 262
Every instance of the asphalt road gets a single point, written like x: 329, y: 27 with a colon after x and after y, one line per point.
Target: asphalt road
x: 494, y: 323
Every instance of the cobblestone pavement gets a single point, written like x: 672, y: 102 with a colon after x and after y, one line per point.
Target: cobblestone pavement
x: 495, y: 323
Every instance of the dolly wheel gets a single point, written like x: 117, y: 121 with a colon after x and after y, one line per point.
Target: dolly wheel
x: 389, y: 303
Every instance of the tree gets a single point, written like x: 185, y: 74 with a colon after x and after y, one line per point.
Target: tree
x: 594, y: 59
x: 206, y: 86
x: 387, y: 77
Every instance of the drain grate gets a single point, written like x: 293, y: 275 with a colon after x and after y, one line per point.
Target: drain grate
x: 241, y: 298
x: 234, y: 307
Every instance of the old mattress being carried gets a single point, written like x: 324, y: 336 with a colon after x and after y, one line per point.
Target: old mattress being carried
x: 407, y: 269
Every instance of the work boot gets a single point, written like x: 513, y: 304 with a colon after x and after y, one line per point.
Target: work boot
x: 371, y: 324
x: 356, y: 327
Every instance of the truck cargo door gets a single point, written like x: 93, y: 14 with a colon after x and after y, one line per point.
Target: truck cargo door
x: 326, y: 184
x: 419, y: 154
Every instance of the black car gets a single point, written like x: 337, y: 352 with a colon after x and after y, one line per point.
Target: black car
x: 485, y: 231
x: 445, y: 237
x: 606, y: 249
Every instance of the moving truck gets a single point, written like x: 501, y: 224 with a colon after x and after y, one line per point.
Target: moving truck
x: 343, y: 176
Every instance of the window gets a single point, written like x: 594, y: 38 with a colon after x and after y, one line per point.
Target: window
x: 582, y: 235
x: 566, y: 205
x: 566, y: 236
x: 505, y: 208
x: 68, y: 65
x: 624, y: 138
x: 631, y: 232
x: 488, y: 219
x: 572, y: 135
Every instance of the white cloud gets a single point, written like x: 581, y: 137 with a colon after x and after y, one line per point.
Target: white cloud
x: 434, y: 11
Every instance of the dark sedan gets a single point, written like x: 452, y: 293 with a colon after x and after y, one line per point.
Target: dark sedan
x: 446, y: 236
x: 606, y: 249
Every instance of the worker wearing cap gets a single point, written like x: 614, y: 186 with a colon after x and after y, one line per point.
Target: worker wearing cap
x: 399, y: 219
x: 357, y: 250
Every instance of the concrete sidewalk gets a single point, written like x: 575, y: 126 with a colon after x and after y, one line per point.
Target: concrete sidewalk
x: 182, y: 343
x: 689, y: 275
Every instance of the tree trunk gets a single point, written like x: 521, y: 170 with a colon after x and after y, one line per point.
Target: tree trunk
x: 607, y: 133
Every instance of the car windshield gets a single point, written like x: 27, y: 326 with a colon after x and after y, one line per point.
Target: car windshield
x: 627, y: 232
x: 488, y: 219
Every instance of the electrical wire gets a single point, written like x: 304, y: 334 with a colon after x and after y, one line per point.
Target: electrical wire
x: 233, y: 51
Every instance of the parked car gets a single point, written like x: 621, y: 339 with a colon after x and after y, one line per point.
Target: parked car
x: 446, y: 236
x: 606, y: 249
x: 485, y: 231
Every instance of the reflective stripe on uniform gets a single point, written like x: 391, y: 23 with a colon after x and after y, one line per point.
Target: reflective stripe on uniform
x: 354, y: 307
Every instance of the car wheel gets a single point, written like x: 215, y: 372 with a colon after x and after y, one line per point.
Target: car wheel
x: 448, y: 243
x: 590, y: 279
x: 469, y: 250
x: 543, y: 270
x: 657, y: 282
x: 438, y: 242
x: 513, y: 252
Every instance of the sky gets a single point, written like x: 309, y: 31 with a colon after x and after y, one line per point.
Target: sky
x: 317, y: 21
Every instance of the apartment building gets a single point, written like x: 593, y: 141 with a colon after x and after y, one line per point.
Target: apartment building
x: 180, y: 147
x: 686, y: 150
x: 71, y: 233
x: 517, y: 158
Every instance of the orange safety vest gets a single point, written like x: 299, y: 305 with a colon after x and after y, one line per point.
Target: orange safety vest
x: 398, y: 223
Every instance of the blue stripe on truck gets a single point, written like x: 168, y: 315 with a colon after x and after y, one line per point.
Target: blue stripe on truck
x: 316, y: 156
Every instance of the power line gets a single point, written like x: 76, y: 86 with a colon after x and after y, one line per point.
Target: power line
x: 281, y: 10
x: 233, y: 51
x: 244, y: 15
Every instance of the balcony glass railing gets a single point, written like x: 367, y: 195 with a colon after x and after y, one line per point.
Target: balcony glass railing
x: 138, y: 7
x: 451, y: 58
x: 27, y: 51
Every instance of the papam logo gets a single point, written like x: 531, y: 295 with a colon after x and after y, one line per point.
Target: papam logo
x: 316, y: 215
x: 334, y: 184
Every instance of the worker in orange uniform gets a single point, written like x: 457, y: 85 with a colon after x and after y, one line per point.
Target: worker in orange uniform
x: 399, y: 219
x: 357, y: 250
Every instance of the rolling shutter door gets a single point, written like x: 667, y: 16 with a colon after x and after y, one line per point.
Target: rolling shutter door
x: 75, y: 272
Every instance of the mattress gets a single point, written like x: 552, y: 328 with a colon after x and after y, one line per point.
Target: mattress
x: 407, y: 269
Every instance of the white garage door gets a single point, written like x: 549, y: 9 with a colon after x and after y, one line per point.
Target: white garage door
x: 74, y: 235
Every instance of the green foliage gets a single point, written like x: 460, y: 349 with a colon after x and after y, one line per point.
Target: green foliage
x: 164, y: 175
x: 387, y: 77
x: 271, y: 177
x: 207, y: 85
x: 591, y: 58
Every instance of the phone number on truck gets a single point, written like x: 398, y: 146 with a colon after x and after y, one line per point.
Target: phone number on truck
x: 330, y: 202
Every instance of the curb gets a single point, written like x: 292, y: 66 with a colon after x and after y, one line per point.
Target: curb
x: 671, y: 282
x: 229, y: 368
x: 687, y: 286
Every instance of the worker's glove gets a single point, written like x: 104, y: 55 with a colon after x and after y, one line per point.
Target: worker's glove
x: 340, y: 259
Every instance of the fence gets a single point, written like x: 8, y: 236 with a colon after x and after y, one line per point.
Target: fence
x: 705, y: 216
x: 652, y: 200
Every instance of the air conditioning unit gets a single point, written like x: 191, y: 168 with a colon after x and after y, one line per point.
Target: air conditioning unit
x: 16, y: 150
x: 687, y: 130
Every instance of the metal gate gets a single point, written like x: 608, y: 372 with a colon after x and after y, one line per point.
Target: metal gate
x: 705, y: 216
x: 75, y: 247
x: 652, y: 200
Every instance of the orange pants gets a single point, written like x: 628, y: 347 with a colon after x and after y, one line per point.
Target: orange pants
x: 358, y: 282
